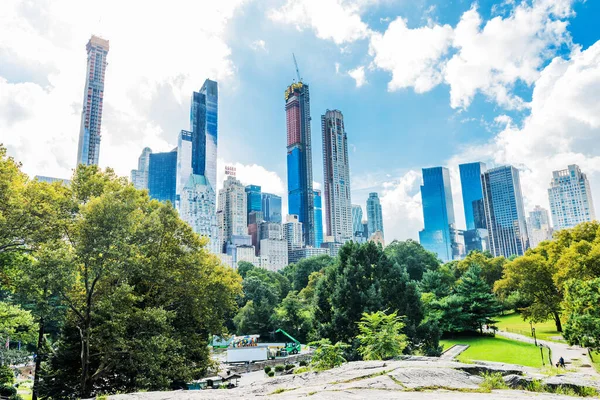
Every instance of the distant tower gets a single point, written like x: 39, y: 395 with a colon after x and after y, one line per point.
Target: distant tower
x: 318, y: 218
x: 336, y: 177
x: 88, y: 150
x: 162, y: 176
x: 232, y: 210
x: 139, y: 177
x: 374, y: 214
x: 504, y: 213
x: 570, y: 198
x: 203, y: 124
x: 299, y: 159
x: 538, y: 226
x: 357, y: 215
x: 271, y: 207
x: 475, y: 236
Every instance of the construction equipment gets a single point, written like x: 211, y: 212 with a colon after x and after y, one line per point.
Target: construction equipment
x: 297, y: 71
x: 294, y: 346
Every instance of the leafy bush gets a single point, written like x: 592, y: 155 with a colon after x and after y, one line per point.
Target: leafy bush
x: 303, y: 363
x: 7, y: 376
x: 279, y: 368
x: 493, y: 381
x: 271, y: 374
x: 301, y: 370
x: 267, y: 369
x: 380, y: 337
x: 289, y: 366
x: 327, y: 355
x: 8, y: 391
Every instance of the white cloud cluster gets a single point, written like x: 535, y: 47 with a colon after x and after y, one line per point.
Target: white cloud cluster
x: 336, y: 20
x: 149, y: 79
x: 401, y: 207
x: 358, y: 74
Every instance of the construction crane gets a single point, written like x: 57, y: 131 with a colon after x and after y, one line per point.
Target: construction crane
x: 297, y: 71
x: 291, y: 348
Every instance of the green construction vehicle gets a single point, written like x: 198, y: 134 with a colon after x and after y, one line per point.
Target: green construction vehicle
x: 294, y: 346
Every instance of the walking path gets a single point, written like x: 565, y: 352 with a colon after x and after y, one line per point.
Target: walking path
x: 454, y: 351
x: 574, y: 356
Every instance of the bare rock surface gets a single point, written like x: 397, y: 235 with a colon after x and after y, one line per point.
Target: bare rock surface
x: 414, y: 378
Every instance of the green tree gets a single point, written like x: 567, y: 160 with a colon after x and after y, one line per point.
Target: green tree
x: 412, y: 257
x: 491, y: 267
x: 244, y: 267
x: 299, y: 272
x: 533, y: 276
x: 327, y: 355
x: 439, y: 282
x: 479, y: 304
x: 294, y: 316
x: 380, y: 336
x: 582, y: 298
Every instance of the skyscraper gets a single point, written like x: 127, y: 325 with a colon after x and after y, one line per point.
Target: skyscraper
x: 438, y: 213
x: 299, y: 159
x: 139, y: 177
x: 336, y: 177
x: 538, y: 226
x: 184, y: 162
x: 197, y: 206
x: 88, y: 150
x: 292, y: 233
x: 357, y: 215
x: 570, y: 198
x: 203, y: 123
x: 374, y: 214
x: 253, y: 198
x: 318, y: 218
x: 475, y: 236
x: 162, y: 174
x: 271, y: 207
x: 231, y: 214
x: 504, y: 213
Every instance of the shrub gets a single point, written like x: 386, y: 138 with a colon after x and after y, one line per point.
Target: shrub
x: 380, y: 337
x: 289, y: 366
x: 267, y: 369
x: 7, y: 376
x: 301, y: 370
x: 303, y: 363
x: 493, y: 381
x: 279, y: 368
x: 327, y: 355
x: 271, y: 374
x: 8, y: 391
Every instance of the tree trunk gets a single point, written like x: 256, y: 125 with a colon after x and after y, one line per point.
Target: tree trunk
x: 557, y: 322
x: 38, y: 360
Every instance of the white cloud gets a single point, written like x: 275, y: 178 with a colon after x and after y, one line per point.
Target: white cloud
x: 358, y: 74
x: 317, y: 185
x: 259, y: 45
x: 337, y: 67
x: 336, y: 20
x: 42, y: 74
x: 562, y: 128
x: 411, y: 55
x: 401, y: 207
x: 252, y: 174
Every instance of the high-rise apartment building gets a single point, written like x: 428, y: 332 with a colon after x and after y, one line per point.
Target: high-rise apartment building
x: 505, y: 216
x: 203, y: 124
x: 273, y: 254
x: 197, y: 206
x: 271, y: 207
x: 88, y: 150
x: 475, y: 236
x: 184, y: 162
x: 318, y: 218
x: 162, y: 176
x: 570, y: 198
x: 336, y: 177
x: 538, y: 226
x: 292, y: 233
x: 357, y: 215
x: 438, y: 213
x: 139, y: 177
x: 299, y: 159
x: 231, y: 214
x: 374, y: 214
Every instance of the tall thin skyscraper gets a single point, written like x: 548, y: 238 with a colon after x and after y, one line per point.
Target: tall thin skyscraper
x: 470, y: 181
x: 162, y: 173
x: 438, y: 212
x: 538, y: 226
x: 570, y: 198
x: 292, y: 233
x: 374, y: 214
x: 318, y: 218
x: 271, y: 206
x: 336, y: 177
x: 203, y: 124
x: 139, y: 177
x: 232, y: 212
x: 299, y: 159
x: 505, y: 216
x: 184, y: 162
x: 254, y: 198
x: 357, y: 216
x: 88, y: 150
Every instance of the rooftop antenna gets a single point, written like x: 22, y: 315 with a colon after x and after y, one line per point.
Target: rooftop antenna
x: 297, y: 71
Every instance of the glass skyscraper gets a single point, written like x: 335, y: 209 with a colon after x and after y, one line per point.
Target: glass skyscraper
x: 139, y: 177
x: 254, y: 198
x: 357, y: 214
x: 299, y: 159
x: 271, y: 207
x: 505, y: 216
x: 336, y: 177
x: 374, y: 214
x: 570, y: 198
x: 88, y: 150
x: 162, y: 176
x: 438, y: 212
x: 472, y: 193
x: 318, y: 218
x: 203, y: 123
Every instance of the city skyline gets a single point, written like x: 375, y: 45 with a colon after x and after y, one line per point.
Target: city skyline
x: 479, y: 126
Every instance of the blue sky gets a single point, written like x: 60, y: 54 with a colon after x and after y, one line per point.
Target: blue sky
x: 433, y: 83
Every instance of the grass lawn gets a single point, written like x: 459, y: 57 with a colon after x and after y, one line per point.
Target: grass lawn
x: 514, y: 323
x: 596, y: 361
x: 497, y: 349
